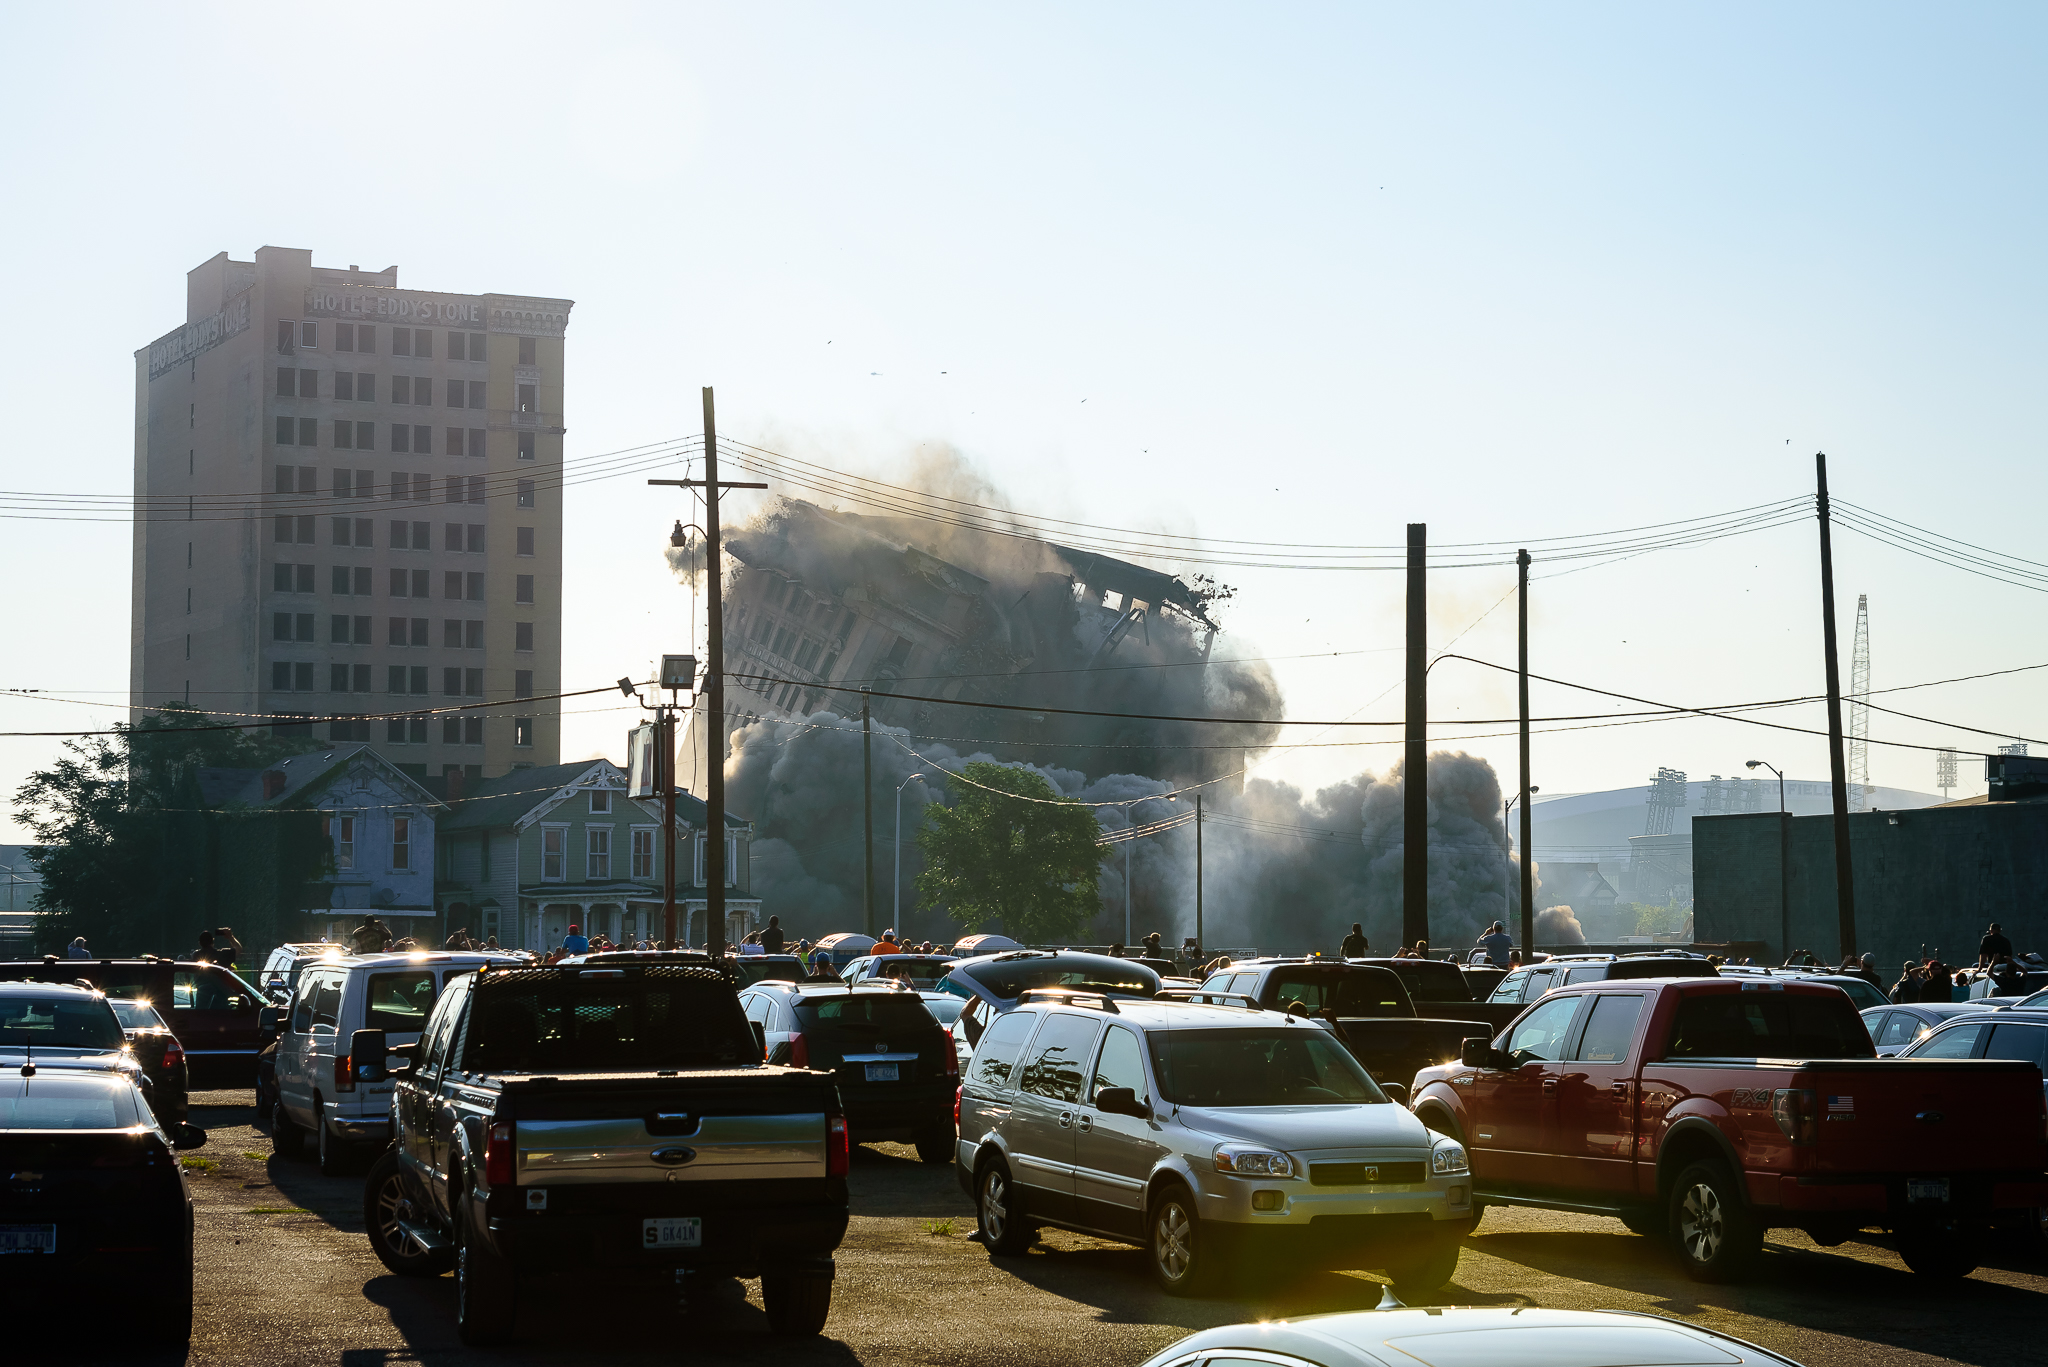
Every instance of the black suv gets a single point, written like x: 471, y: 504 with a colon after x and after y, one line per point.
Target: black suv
x: 895, y: 1064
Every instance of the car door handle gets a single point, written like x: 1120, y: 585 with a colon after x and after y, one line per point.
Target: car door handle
x: 1620, y: 1088
x: 1066, y: 1120
x: 1085, y: 1121
x: 1549, y: 1086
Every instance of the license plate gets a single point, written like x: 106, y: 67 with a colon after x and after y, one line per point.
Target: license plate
x: 881, y: 1072
x: 684, y: 1232
x: 1928, y: 1189
x: 28, y: 1239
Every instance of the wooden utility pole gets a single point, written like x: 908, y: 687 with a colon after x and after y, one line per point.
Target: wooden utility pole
x: 1198, y: 870
x: 664, y: 768
x: 714, y: 687
x: 1838, y: 769
x: 867, y: 816
x: 1415, y: 757
x: 1528, y: 866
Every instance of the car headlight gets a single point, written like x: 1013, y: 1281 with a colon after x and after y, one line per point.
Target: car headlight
x: 1247, y: 1161
x: 1449, y: 1157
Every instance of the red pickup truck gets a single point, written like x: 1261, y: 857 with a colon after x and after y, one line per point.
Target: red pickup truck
x: 1712, y: 1109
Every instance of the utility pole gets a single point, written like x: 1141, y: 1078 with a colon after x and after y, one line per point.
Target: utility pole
x: 665, y: 766
x: 1845, y: 873
x: 1127, y: 890
x: 1415, y: 758
x: 1528, y: 868
x: 1198, y: 870
x: 867, y: 816
x: 714, y: 685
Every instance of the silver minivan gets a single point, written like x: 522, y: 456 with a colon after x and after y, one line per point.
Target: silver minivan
x: 317, y: 1090
x: 1220, y: 1139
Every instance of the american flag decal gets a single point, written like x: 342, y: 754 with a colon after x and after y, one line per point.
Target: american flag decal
x: 1844, y: 1106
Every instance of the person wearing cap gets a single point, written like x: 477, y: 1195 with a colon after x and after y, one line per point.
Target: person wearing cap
x: 1497, y: 942
x: 575, y: 942
x: 77, y: 949
x: 887, y: 944
x: 1993, y: 946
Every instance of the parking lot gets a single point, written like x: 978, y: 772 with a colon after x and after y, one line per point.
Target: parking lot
x: 285, y: 1276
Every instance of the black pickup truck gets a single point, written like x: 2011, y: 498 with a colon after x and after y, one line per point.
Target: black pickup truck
x: 1369, y: 1005
x: 603, y: 1124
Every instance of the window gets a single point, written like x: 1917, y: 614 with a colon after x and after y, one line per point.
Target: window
x: 419, y: 583
x: 995, y: 1057
x: 601, y: 801
x: 474, y: 581
x: 1767, y: 1025
x: 472, y: 730
x: 344, y: 435
x: 309, y: 386
x: 337, y: 675
x: 526, y: 397
x: 401, y: 583
x: 399, y: 1001
x: 525, y: 493
x: 287, y: 382
x: 1611, y: 1028
x: 366, y: 440
x: 2022, y: 1042
x: 401, y: 842
x: 522, y: 636
x: 401, y: 341
x: 455, y: 441
x: 472, y: 683
x: 281, y: 675
x: 341, y: 829
x: 344, y: 336
x: 523, y: 589
x: 522, y: 683
x: 451, y: 634
x: 451, y: 583
x: 451, y: 730
x: 476, y: 535
x: 344, y: 384
x: 597, y: 855
x: 338, y: 632
x: 1540, y: 1035
x: 401, y: 389
x: 476, y: 346
x: 396, y: 633
x: 522, y: 732
x: 525, y: 541
x: 280, y: 626
x: 419, y: 631
x: 526, y: 350
x: 458, y: 395
x: 366, y: 388
x: 286, y: 330
x: 1120, y: 1064
x: 417, y: 677
x: 476, y: 443
x: 472, y: 635
x: 553, y: 844
x: 309, y: 431
x: 286, y: 430
x: 395, y: 674
x: 401, y: 485
x: 401, y: 434
x: 309, y: 334
x: 451, y: 681
x: 476, y: 393
x: 362, y: 638
x: 1058, y: 1055
x: 422, y: 440
x: 476, y: 484
x: 1956, y: 1041
x: 643, y: 854
x: 457, y: 348
x: 526, y: 446
x: 451, y: 489
x: 401, y: 535
x: 422, y: 390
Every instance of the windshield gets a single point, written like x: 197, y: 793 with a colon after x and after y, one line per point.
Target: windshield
x: 61, y: 1103
x: 59, y: 1022
x: 1007, y: 980
x: 135, y: 1015
x: 1346, y: 991
x: 1258, y: 1068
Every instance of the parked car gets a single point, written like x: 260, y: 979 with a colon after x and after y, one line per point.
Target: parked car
x: 918, y: 970
x: 1860, y: 991
x: 161, y: 1056
x: 2008, y: 1034
x: 279, y: 976
x: 992, y: 984
x: 1368, y: 1003
x: 317, y: 1092
x: 895, y: 1064
x: 1713, y: 1109
x: 1440, y: 988
x: 63, y: 1027
x: 1220, y: 1139
x: 211, y: 1009
x: 1893, y: 1028
x: 1464, y: 1336
x: 94, y: 1205
x: 608, y: 1125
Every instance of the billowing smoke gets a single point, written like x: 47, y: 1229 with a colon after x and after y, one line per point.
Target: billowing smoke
x: 1558, y: 926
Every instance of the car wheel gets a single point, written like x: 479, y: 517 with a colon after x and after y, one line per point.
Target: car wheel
x: 797, y: 1304
x: 333, y: 1154
x: 1178, y: 1245
x: 387, y: 1200
x: 1938, y: 1252
x: 1718, y: 1238
x: 1424, y: 1275
x: 486, y: 1293
x: 935, y: 1146
x: 1004, y: 1230
x: 286, y: 1139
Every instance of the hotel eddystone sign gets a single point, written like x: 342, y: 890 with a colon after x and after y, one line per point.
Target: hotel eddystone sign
x: 497, y: 313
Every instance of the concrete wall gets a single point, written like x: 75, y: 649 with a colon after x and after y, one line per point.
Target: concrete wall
x: 1934, y: 878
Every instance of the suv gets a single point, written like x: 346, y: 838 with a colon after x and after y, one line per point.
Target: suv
x: 1216, y: 1137
x: 921, y: 971
x: 1568, y: 970
x: 894, y: 1062
x: 316, y: 1088
x: 211, y: 1009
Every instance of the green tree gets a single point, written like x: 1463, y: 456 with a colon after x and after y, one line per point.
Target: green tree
x: 134, y: 860
x: 1021, y: 857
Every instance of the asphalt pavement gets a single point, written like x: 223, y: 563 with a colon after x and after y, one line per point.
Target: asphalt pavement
x: 286, y: 1276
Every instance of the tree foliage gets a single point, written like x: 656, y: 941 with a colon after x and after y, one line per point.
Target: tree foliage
x: 997, y: 859
x: 133, y: 859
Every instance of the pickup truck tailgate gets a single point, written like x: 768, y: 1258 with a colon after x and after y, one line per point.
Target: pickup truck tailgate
x: 599, y: 1131
x: 1932, y: 1115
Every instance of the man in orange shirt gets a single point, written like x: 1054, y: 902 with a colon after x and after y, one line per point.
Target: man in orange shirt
x: 887, y: 944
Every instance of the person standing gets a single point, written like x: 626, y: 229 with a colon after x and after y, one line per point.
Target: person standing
x: 1497, y: 942
x: 203, y: 954
x: 77, y: 949
x: 772, y: 937
x: 1152, y: 946
x: 1993, y: 946
x: 887, y: 944
x: 1355, y: 945
x: 575, y: 942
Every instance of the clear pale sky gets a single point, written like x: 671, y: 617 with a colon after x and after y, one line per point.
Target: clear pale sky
x: 1299, y: 274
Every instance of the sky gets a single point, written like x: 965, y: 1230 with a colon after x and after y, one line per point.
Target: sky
x: 1300, y: 274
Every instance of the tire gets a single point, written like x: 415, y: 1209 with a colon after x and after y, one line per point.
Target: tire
x: 1176, y: 1246
x: 1426, y: 1274
x: 331, y: 1152
x: 935, y: 1146
x: 1647, y: 1221
x: 796, y: 1304
x: 286, y: 1139
x: 1718, y: 1237
x: 1938, y: 1252
x: 388, y: 1197
x: 486, y: 1292
x: 1004, y: 1230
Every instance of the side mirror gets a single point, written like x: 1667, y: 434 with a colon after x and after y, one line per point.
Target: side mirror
x: 1396, y: 1093
x: 370, y: 1056
x: 268, y: 1021
x: 1478, y: 1053
x: 1121, y: 1101
x: 187, y: 1137
x: 760, y: 1037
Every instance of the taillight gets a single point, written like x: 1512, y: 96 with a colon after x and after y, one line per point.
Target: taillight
x: 1793, y: 1108
x: 174, y: 1053
x: 952, y: 1055
x: 799, y: 1052
x: 956, y: 1108
x: 344, y: 1073
x: 498, y: 1156
x: 838, y: 1146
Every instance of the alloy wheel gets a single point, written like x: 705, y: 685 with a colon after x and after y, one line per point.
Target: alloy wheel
x: 1172, y: 1241
x: 1701, y: 1223
x: 393, y: 1205
x: 995, y: 1216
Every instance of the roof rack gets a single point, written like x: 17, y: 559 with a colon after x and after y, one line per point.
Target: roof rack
x: 1196, y: 996
x: 1070, y: 996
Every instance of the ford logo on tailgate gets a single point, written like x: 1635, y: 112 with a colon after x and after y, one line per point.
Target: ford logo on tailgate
x: 674, y: 1156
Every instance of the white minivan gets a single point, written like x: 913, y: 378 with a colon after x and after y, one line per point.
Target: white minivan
x: 316, y: 1084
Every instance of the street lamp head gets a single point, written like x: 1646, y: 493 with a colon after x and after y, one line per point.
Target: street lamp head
x: 677, y: 538
x: 1534, y: 789
x: 626, y: 687
x: 1751, y: 763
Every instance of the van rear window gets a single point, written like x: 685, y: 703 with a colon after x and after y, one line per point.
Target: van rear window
x: 1768, y: 1025
x: 399, y: 1002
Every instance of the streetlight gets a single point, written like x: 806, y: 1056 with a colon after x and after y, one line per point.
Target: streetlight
x: 897, y: 919
x: 1784, y: 860
x: 1507, y: 857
